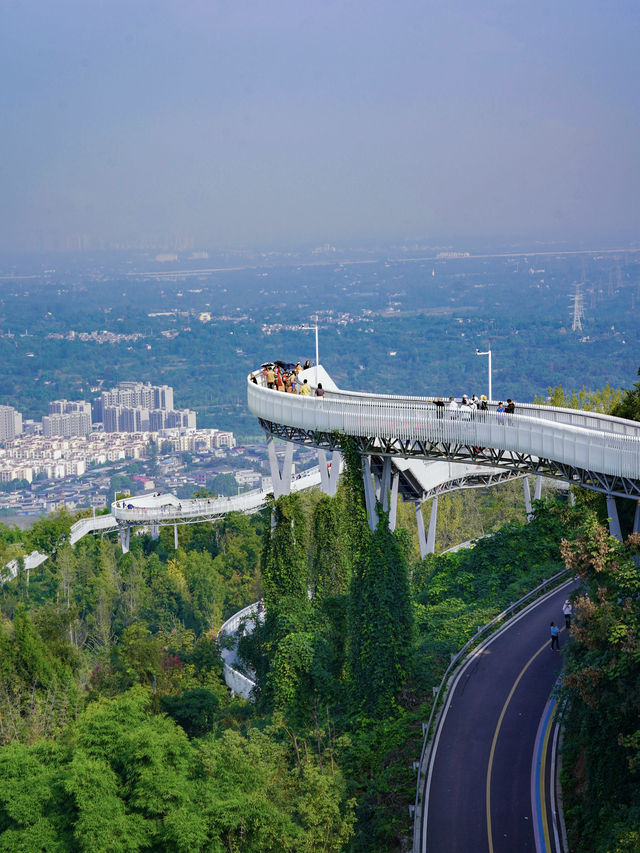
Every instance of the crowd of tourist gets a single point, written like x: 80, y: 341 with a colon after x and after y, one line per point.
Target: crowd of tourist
x: 282, y: 376
x: 468, y: 406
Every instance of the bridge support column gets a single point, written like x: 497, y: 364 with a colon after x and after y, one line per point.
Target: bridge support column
x: 431, y: 537
x: 280, y: 478
x: 527, y: 496
x: 154, y: 529
x: 614, y: 521
x: 175, y: 535
x: 329, y: 472
x: 636, y: 518
x: 537, y: 492
x: 572, y: 498
x: 393, y: 511
x: 422, y: 539
x: 369, y: 494
x: 385, y: 483
x: 124, y: 538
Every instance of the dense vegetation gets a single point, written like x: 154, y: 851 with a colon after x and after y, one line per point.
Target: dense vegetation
x: 602, y: 680
x: 602, y: 686
x: 118, y: 731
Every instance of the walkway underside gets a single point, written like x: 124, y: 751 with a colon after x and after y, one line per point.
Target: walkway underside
x: 514, y: 461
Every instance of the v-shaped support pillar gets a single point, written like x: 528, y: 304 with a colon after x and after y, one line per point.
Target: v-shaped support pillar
x: 280, y: 477
x: 329, y: 472
x: 125, y: 531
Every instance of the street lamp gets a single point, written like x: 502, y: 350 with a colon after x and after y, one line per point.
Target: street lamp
x: 488, y: 352
x: 308, y: 328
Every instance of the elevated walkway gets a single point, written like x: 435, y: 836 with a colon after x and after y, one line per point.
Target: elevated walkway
x: 592, y: 450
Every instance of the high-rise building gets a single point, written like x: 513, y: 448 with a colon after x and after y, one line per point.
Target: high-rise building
x: 68, y: 424
x: 139, y: 407
x: 10, y: 423
x: 68, y: 407
x: 180, y: 419
x: 141, y: 394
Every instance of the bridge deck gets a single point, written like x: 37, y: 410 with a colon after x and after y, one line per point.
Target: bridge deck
x: 598, y: 451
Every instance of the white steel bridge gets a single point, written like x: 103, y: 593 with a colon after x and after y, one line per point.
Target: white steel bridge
x: 588, y: 449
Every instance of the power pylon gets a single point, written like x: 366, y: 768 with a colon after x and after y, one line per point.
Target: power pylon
x: 578, y: 309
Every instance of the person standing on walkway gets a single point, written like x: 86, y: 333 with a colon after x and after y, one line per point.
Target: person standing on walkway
x: 555, y: 642
x: 567, y: 609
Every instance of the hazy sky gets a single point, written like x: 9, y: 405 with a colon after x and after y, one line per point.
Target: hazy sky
x: 257, y: 123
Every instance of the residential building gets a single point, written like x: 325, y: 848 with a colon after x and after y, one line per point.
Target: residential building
x: 10, y: 423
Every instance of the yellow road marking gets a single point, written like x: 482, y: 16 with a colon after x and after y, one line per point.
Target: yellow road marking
x: 495, y: 739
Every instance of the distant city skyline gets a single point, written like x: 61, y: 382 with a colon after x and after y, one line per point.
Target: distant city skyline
x: 219, y: 125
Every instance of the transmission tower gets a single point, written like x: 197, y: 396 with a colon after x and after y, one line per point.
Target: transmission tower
x: 578, y: 309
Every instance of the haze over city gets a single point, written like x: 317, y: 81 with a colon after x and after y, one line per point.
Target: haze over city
x: 274, y: 124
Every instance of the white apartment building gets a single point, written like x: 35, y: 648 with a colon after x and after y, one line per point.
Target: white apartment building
x: 10, y: 423
x: 66, y: 424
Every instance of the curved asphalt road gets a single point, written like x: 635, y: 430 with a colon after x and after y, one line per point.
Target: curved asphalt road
x: 483, y: 749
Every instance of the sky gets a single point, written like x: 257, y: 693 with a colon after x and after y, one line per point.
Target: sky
x: 254, y: 123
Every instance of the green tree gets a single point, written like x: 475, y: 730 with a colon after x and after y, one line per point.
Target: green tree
x: 284, y: 567
x: 48, y: 534
x: 328, y: 562
x: 603, y: 400
x: 381, y: 623
x: 602, y: 684
x: 629, y: 405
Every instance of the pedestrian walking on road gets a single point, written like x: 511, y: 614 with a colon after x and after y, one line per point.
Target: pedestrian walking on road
x: 555, y: 642
x: 567, y: 609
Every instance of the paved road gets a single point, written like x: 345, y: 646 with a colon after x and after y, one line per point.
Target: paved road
x: 483, y: 750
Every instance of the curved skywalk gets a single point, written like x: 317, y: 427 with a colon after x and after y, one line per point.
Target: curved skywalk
x: 596, y: 451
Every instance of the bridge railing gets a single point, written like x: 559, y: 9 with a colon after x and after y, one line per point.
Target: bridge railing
x: 145, y: 509
x: 234, y: 679
x: 555, y: 414
x: 413, y: 418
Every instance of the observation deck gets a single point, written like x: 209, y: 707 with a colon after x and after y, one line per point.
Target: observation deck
x: 596, y: 451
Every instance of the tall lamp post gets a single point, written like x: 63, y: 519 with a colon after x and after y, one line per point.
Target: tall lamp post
x: 308, y: 328
x: 488, y: 352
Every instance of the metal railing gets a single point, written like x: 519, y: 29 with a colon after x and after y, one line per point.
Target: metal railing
x: 166, y: 508
x: 234, y: 679
x: 441, y: 692
x: 539, y: 431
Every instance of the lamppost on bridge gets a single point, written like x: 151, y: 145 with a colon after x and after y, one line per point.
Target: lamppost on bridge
x: 488, y: 352
x: 309, y: 328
